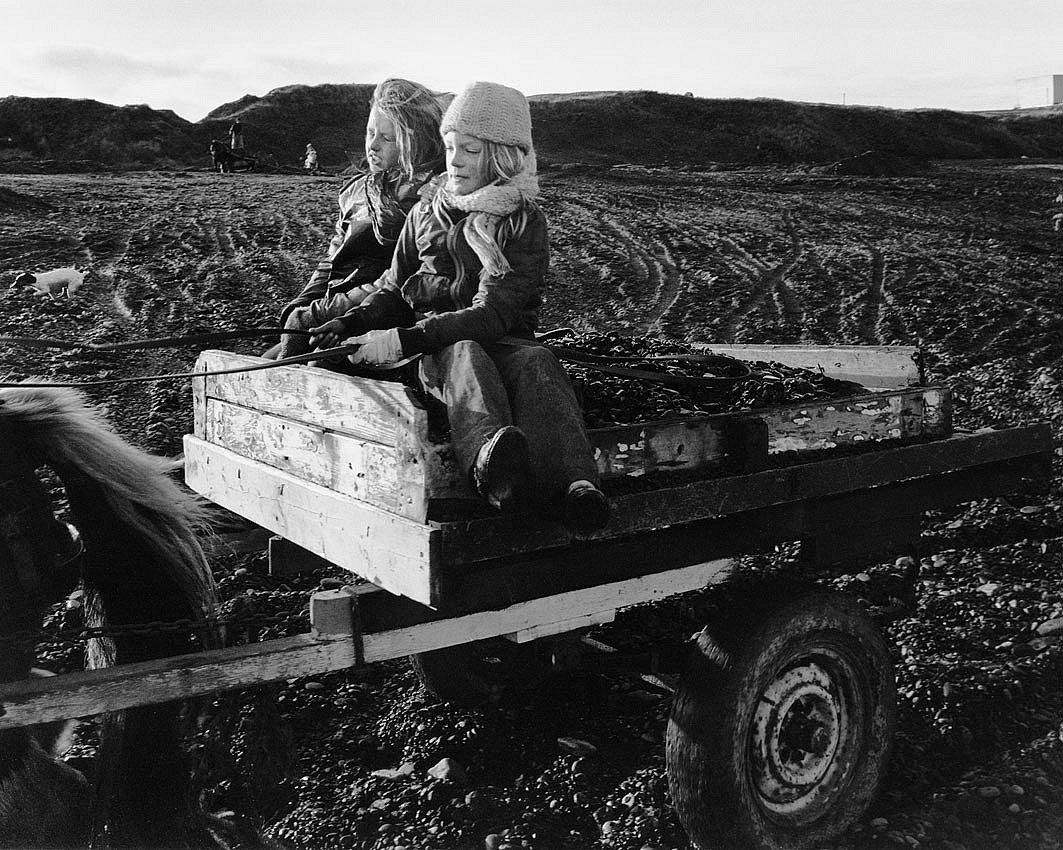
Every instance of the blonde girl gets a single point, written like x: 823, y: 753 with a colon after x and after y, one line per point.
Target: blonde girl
x: 403, y: 150
x: 464, y: 290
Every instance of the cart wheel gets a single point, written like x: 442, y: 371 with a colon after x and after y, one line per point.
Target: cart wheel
x: 779, y: 736
x: 485, y: 671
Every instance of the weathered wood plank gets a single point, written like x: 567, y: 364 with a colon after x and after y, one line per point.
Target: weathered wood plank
x: 389, y: 550
x: 881, y: 367
x: 181, y: 677
x: 362, y: 407
x: 583, y: 621
x: 499, y: 537
x: 92, y: 692
x: 702, y: 442
x: 472, y: 587
x: 648, y: 447
x: 556, y: 608
x: 858, y: 419
x: 360, y: 468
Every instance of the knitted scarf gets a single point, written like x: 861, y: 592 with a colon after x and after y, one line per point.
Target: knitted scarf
x: 487, y: 207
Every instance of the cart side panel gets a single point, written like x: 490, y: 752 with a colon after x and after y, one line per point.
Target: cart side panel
x: 362, y: 407
x: 881, y: 367
x: 647, y: 447
x: 393, y: 552
x: 859, y: 419
x: 361, y: 437
x: 804, y: 484
x: 360, y: 468
x: 708, y: 442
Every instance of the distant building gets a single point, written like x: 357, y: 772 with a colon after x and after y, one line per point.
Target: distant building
x: 1040, y: 91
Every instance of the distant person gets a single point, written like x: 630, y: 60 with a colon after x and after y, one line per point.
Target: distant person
x: 310, y: 163
x: 403, y: 151
x: 236, y: 135
x: 464, y: 291
x: 220, y: 156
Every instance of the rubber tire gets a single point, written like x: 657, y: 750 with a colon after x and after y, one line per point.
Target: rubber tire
x: 486, y: 671
x: 712, y: 749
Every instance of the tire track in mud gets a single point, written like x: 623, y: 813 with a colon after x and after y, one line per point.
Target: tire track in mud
x: 976, y: 325
x: 890, y: 327
x: 223, y: 238
x: 106, y: 252
x: 861, y: 312
x: 766, y: 283
x: 655, y: 283
x: 877, y: 322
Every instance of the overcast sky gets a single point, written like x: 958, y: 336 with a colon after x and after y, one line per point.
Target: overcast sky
x: 193, y: 55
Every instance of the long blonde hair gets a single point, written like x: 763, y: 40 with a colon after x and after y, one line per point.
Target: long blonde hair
x: 415, y: 112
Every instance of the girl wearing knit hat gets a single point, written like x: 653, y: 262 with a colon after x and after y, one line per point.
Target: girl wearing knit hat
x: 403, y: 151
x: 464, y: 289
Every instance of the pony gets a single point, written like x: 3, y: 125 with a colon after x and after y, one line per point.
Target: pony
x: 138, y: 560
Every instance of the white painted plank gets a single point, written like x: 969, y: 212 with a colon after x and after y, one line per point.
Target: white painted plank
x: 350, y: 465
x: 389, y: 550
x: 550, y: 609
x: 875, y: 367
x: 547, y: 629
x: 362, y: 407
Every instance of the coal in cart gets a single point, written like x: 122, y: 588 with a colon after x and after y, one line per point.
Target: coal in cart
x: 782, y: 722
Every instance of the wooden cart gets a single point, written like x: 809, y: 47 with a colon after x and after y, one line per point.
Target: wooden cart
x: 780, y: 728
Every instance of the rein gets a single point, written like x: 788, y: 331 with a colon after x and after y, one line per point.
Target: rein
x: 597, y: 362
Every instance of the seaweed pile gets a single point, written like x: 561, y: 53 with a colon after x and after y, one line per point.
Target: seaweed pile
x: 694, y: 383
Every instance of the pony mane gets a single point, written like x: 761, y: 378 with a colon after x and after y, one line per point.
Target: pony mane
x: 65, y: 432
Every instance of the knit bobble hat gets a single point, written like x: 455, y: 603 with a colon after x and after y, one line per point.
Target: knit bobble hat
x: 492, y: 112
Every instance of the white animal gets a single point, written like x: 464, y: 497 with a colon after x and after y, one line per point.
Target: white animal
x: 65, y: 281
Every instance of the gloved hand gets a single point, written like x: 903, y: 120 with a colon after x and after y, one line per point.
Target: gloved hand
x: 327, y: 335
x: 376, y: 347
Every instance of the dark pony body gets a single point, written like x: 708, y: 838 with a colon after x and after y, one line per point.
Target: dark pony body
x: 141, y: 563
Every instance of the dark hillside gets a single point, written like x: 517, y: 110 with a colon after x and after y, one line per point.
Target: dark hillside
x: 647, y: 127
x: 63, y: 129
x: 282, y: 122
x: 637, y: 127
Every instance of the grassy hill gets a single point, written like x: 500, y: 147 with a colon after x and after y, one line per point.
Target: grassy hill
x: 638, y: 127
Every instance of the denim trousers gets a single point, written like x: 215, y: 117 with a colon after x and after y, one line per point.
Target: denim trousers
x: 485, y: 388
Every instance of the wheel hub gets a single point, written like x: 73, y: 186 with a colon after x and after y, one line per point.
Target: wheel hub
x: 796, y: 733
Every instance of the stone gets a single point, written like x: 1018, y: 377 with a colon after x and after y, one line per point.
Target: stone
x: 1051, y: 627
x: 394, y: 772
x: 447, y: 770
x: 576, y: 747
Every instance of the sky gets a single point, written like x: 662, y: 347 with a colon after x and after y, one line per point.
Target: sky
x: 191, y: 56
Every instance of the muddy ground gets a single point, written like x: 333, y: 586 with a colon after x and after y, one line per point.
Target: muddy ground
x: 961, y: 260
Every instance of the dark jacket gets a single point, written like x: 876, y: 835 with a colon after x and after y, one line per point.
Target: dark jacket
x: 437, y: 292
x: 370, y: 220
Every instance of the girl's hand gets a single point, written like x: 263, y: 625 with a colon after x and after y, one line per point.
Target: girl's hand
x: 376, y: 347
x: 328, y: 335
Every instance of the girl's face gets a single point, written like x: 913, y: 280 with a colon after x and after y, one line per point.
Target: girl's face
x: 465, y: 165
x: 381, y: 142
